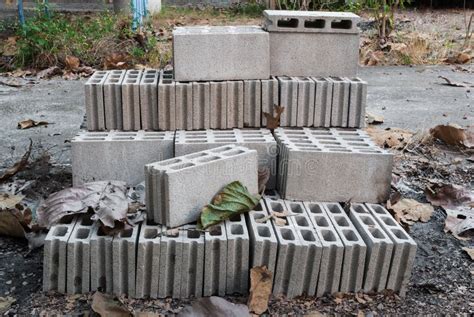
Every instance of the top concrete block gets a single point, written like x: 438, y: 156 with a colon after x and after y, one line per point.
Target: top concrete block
x: 310, y: 21
x: 221, y: 53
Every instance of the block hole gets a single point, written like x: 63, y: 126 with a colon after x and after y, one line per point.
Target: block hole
x: 251, y: 140
x: 181, y: 166
x: 320, y: 132
x: 307, y: 235
x: 122, y: 138
x: 315, y: 209
x: 309, y: 148
x: 342, y: 221
x: 378, y: 209
x: 359, y: 144
x: 66, y: 220
x: 376, y: 233
x: 276, y: 206
x: 148, y: 81
x: 234, y: 152
x: 345, y: 133
x: 317, y: 137
x: 331, y: 143
x: 359, y: 209
x: 300, y: 142
x: 153, y: 138
x: 60, y: 231
x: 87, y: 138
x: 169, y: 162
x: 369, y: 151
x: 235, y: 218
x: 350, y: 235
x: 263, y: 231
x: 237, y: 230
x: 86, y: 221
x: 389, y: 221
x: 367, y: 220
x: 215, y: 231
x: 339, y: 150
x: 400, y: 234
x: 221, y: 149
x: 82, y: 233
x: 167, y: 81
x: 226, y: 140
x: 294, y: 132
x: 315, y: 24
x: 328, y: 235
x: 334, y: 208
x: 287, y: 234
x: 257, y: 216
x: 151, y: 233
x: 126, y: 233
x: 208, y: 159
x: 341, y: 24
x: 94, y: 81
x: 321, y: 221
x: 296, y: 208
x: 302, y: 221
x: 196, y: 155
x: 353, y: 139
x: 287, y: 23
x: 193, y: 234
x: 258, y: 207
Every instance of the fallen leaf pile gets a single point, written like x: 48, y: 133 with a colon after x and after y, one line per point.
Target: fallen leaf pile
x: 29, y: 123
x: 394, y: 138
x: 409, y: 211
x: 273, y: 122
x: 261, y: 281
x: 18, y: 166
x: 453, y: 134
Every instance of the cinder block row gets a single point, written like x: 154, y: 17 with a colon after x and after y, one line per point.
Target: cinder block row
x: 175, y: 193
x: 118, y: 155
x: 261, y: 140
x: 124, y: 246
x: 238, y: 248
x: 332, y: 165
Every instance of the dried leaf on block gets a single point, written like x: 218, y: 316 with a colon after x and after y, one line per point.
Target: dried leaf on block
x: 450, y: 196
x: 106, y: 306
x: 234, y: 199
x: 18, y: 166
x: 374, y: 118
x: 214, y: 306
x: 263, y: 177
x: 261, y: 280
x: 410, y: 211
x: 273, y: 122
x: 453, y: 134
x: 395, y: 138
x: 29, y: 123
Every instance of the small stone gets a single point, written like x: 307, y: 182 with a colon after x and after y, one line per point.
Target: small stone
x: 8, y: 282
x: 24, y: 283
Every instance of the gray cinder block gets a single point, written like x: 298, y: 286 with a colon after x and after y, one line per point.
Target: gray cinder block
x: 131, y: 100
x: 252, y: 103
x: 201, y: 105
x: 322, y: 102
x: 215, y: 261
x: 289, y: 100
x: 333, y: 249
x: 166, y: 102
x: 192, y: 241
x: 216, y: 53
x: 148, y: 261
x: 379, y: 248
x: 355, y: 249
x: 263, y: 241
x: 124, y: 248
x: 117, y: 155
x: 171, y: 259
x: 404, y: 250
x: 357, y: 103
x: 113, y: 100
x: 101, y: 261
x: 270, y: 95
x: 238, y: 245
x: 184, y: 106
x: 261, y: 140
x: 55, y: 254
x: 305, y: 104
x: 149, y: 99
x: 94, y: 95
x: 310, y: 21
x: 235, y: 104
x: 340, y: 101
x: 314, y: 165
x: 218, y: 108
x: 166, y: 181
x: 78, y: 271
x: 312, y: 248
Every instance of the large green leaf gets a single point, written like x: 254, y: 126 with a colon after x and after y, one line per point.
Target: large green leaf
x: 234, y: 199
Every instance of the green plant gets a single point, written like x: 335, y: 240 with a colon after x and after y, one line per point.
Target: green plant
x: 384, y: 11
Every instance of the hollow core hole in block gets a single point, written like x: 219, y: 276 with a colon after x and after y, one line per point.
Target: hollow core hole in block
x: 369, y: 151
x: 126, y: 233
x: 82, y: 233
x: 237, y: 229
x: 235, y: 218
x: 342, y: 221
x: 67, y: 219
x: 376, y: 233
x: 263, y: 231
x: 86, y: 220
x: 215, y: 231
x: 122, y: 138
x: 252, y: 140
x: 353, y: 139
x: 258, y: 207
x: 308, y: 148
x: 331, y: 143
x: 296, y: 208
x: 153, y: 138
x: 300, y: 142
x: 196, y: 155
x: 359, y: 144
x: 321, y: 221
x: 359, y: 209
x: 293, y: 132
x: 315, y: 209
x: 287, y: 23
x: 334, y: 208
x: 388, y: 221
x: 226, y: 140
x: 287, y: 234
x: 400, y: 234
x: 301, y: 221
x: 350, y: 235
x: 339, y: 150
x: 169, y: 162
x: 181, y: 166
x: 341, y: 24
x: 276, y: 206
x: 221, y: 149
x: 208, y: 159
x: 378, y: 209
x: 88, y: 138
x: 328, y: 235
x: 60, y: 231
x: 367, y: 220
x: 151, y: 233
x: 234, y: 152
x: 193, y: 234
x: 315, y: 24
x: 307, y: 235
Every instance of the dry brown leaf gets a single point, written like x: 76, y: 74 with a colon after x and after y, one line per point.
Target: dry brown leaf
x: 18, y: 166
x: 263, y: 177
x: 359, y: 299
x: 106, y: 306
x: 10, y: 224
x: 374, y: 118
x: 449, y: 196
x: 261, y: 280
x: 452, y: 134
x: 29, y: 123
x: 460, y: 222
x: 116, y: 61
x: 273, y: 122
x: 11, y: 83
x: 71, y: 62
x: 470, y: 252
x: 410, y: 211
x: 8, y: 201
x: 452, y: 83
x: 9, y: 47
x: 49, y: 72
x: 395, y: 138
x: 372, y: 58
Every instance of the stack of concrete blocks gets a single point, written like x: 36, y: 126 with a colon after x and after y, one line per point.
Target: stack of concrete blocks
x: 261, y: 140
x: 200, y: 176
x: 333, y: 165
x: 116, y: 155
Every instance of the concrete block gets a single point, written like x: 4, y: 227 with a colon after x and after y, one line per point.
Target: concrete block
x: 235, y: 104
x: 289, y: 100
x: 149, y: 99
x: 379, y: 248
x: 305, y: 104
x: 124, y: 248
x: 192, y: 282
x: 117, y: 155
x: 101, y: 261
x: 334, y: 54
x: 315, y: 164
x: 322, y: 102
x: 78, y: 271
x: 263, y: 241
x: 287, y: 275
x: 171, y: 260
x: 113, y: 100
x: 216, y: 53
x: 131, y: 100
x: 166, y: 102
x: 238, y: 246
x: 333, y: 249
x: 184, y: 106
x: 148, y: 261
x: 340, y: 102
x: 218, y: 106
x: 167, y: 181
x: 310, y: 21
x: 201, y: 105
x: 261, y: 140
x: 94, y: 95
x: 252, y: 103
x: 357, y: 103
x: 55, y: 254
x: 215, y: 261
x: 404, y: 250
x: 312, y: 248
x: 355, y: 250
x: 270, y: 95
